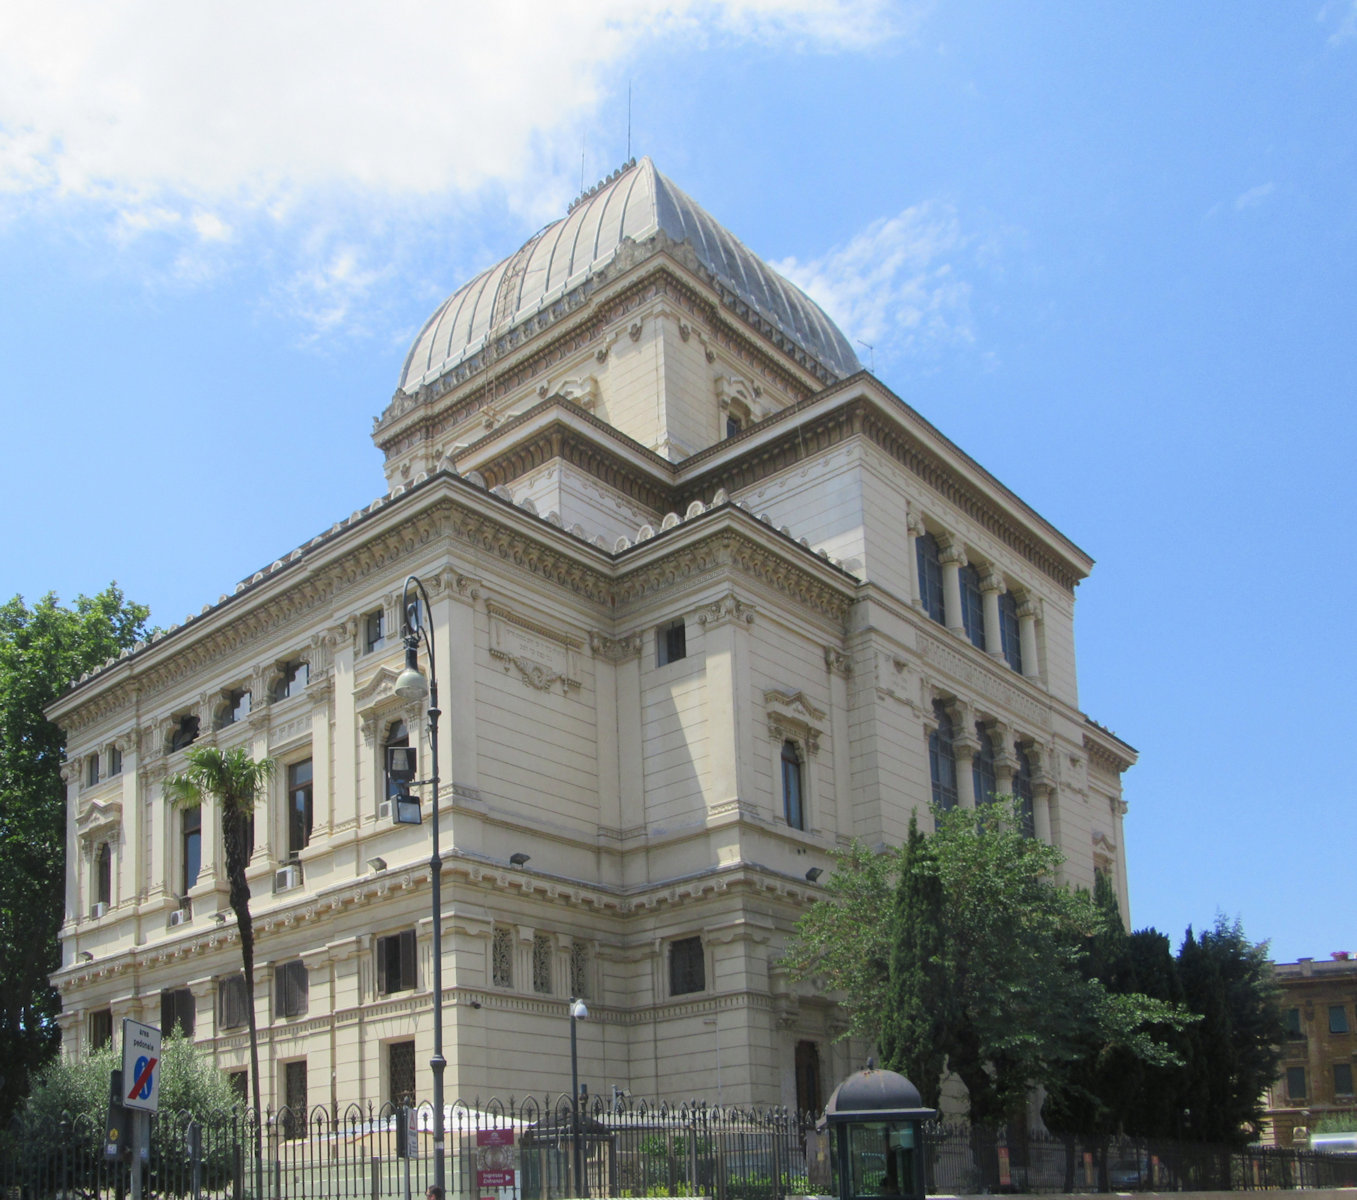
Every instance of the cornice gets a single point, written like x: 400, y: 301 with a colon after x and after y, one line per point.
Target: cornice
x: 1106, y: 750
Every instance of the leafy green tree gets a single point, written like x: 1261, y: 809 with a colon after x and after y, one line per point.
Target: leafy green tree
x: 234, y: 781
x: 997, y: 980
x: 1233, y: 1053
x: 42, y: 649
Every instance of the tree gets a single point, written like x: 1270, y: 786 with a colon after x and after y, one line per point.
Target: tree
x: 980, y: 955
x: 42, y: 649
x: 235, y: 781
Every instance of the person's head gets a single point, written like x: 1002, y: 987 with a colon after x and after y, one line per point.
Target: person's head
x: 434, y: 1193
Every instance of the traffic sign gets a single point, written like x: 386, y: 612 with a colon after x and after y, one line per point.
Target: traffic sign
x: 141, y: 1065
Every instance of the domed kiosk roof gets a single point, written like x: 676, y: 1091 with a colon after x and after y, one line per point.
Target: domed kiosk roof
x: 636, y: 204
x: 875, y: 1093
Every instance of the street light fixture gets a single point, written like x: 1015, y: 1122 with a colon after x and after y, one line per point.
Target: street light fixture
x: 411, y: 685
x: 578, y: 1012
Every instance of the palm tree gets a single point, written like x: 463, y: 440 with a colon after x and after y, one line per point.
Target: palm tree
x: 235, y: 781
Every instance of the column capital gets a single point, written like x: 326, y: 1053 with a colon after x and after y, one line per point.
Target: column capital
x: 952, y: 553
x: 991, y: 581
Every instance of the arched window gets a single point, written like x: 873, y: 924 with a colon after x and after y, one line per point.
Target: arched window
x: 930, y: 576
x: 982, y: 768
x: 185, y: 733
x: 942, y: 759
x: 1022, y: 788
x: 293, y: 680
x: 792, y: 807
x: 972, y: 606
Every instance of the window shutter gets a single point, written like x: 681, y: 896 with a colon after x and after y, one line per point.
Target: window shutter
x: 407, y: 957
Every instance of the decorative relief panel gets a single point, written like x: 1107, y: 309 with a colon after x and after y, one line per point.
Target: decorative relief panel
x: 978, y: 679
x: 543, y: 657
x: 791, y: 715
x: 728, y: 608
x: 615, y: 650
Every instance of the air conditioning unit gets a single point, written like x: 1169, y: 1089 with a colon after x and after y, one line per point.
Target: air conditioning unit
x: 286, y: 878
x: 178, y: 917
x: 384, y: 811
x: 97, y: 910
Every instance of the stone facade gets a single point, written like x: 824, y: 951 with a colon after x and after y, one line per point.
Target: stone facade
x: 1319, y: 1055
x: 705, y: 609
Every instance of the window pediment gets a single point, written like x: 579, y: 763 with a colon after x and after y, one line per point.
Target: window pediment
x: 99, y: 821
x: 792, y: 717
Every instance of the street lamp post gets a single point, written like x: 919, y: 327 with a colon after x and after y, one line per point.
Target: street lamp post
x: 578, y: 1012
x: 411, y: 685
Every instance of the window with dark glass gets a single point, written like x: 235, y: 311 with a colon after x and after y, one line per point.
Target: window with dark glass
x: 293, y: 681
x: 687, y: 966
x: 396, y: 962
x: 103, y: 874
x: 397, y: 737
x: 733, y: 425
x: 300, y: 810
x: 185, y: 733
x: 237, y: 706
x: 942, y: 759
x: 115, y: 761
x: 1342, y: 1079
x: 232, y: 1002
x: 240, y: 1085
x: 101, y: 1028
x: 374, y: 631
x: 972, y: 605
x: 1010, y: 636
x: 1338, y: 1018
x: 177, y: 1011
x: 671, y: 642
x: 292, y: 980
x: 792, y: 808
x: 293, y: 1118
x: 930, y: 576
x: 1292, y: 1023
x: 1022, y: 788
x: 91, y: 770
x: 982, y: 768
x: 191, y: 823
x: 1295, y: 1083
x: 400, y: 1072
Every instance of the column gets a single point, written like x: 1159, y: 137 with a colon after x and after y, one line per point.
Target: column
x: 964, y: 747
x: 343, y: 766
x: 835, y: 812
x: 991, y: 584
x: 914, y: 529
x: 1027, y: 637
x: 722, y: 623
x: 953, y: 558
x: 1042, y: 796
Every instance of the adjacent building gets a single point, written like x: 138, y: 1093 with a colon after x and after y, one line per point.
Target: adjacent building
x: 1319, y: 1055
x: 709, y: 601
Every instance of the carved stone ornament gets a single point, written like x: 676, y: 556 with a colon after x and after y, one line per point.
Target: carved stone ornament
x: 615, y: 650
x: 838, y: 662
x: 792, y: 717
x: 728, y: 608
x: 540, y: 655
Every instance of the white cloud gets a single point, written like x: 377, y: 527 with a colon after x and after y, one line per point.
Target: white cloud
x: 895, y: 285
x: 1254, y: 196
x: 250, y: 102
x: 1342, y: 14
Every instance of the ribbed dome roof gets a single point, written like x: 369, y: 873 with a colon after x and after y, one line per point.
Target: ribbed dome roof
x: 637, y: 204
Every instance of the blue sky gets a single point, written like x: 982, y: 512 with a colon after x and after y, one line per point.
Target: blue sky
x: 1108, y: 249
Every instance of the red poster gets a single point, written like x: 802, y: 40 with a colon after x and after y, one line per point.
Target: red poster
x: 496, y: 1158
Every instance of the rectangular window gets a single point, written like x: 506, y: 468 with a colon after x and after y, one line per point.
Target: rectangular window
x: 294, y: 1096
x: 115, y: 761
x: 1338, y: 1018
x: 291, y: 979
x: 792, y: 809
x: 671, y: 642
x: 192, y: 847
x: 1291, y: 1023
x: 400, y: 1072
x: 579, y: 970
x: 942, y: 760
x: 1010, y: 636
x: 101, y: 1028
x: 972, y: 606
x: 300, y: 812
x: 103, y: 875
x: 687, y: 967
x: 541, y: 964
x: 930, y: 577
x: 177, y: 1010
x: 374, y: 631
x: 502, y: 958
x: 396, y: 962
x: 92, y: 770
x: 1295, y: 1083
x: 240, y: 1085
x: 1342, y: 1079
x: 232, y: 1002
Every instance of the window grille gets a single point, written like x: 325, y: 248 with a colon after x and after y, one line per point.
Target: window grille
x: 294, y: 1095
x: 400, y: 1069
x: 502, y: 958
x: 579, y: 970
x: 687, y: 966
x: 541, y: 964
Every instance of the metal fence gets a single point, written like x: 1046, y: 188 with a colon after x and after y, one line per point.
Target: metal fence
x: 528, y: 1151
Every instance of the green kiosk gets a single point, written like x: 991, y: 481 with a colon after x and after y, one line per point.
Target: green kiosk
x: 875, y: 1121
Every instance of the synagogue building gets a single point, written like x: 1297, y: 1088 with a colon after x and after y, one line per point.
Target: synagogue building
x: 708, y: 602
